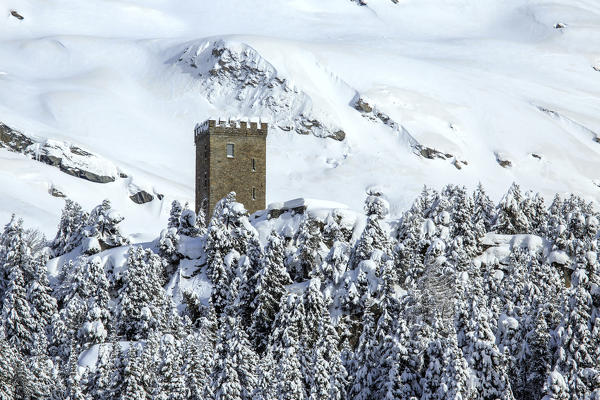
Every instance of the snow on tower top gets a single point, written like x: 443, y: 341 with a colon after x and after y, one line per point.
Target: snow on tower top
x: 243, y: 126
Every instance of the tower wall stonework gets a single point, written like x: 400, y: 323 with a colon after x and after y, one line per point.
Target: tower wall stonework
x: 217, y: 174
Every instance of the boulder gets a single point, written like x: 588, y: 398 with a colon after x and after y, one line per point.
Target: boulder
x: 141, y: 197
x: 338, y: 135
x: 72, y: 160
x: 432, y: 154
x: 54, y: 191
x: 69, y: 159
x: 361, y: 105
x: 458, y: 164
x: 502, y: 161
x: 16, y: 14
x: 13, y: 140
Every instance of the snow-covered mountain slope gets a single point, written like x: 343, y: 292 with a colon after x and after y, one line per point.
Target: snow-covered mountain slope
x: 424, y: 91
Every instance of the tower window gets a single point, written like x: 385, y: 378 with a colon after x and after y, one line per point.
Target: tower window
x: 253, y: 193
x: 230, y: 150
x: 253, y: 164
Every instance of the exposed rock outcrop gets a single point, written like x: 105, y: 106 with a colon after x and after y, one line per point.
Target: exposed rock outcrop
x: 16, y: 14
x: 432, y: 154
x: 235, y: 74
x: 70, y: 159
x: 371, y: 112
x: 502, y: 160
x: 13, y: 140
x: 56, y: 192
x: 570, y: 124
x: 73, y: 160
x: 141, y: 197
x: 459, y: 164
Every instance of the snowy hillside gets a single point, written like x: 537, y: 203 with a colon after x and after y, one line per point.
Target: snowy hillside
x: 397, y: 94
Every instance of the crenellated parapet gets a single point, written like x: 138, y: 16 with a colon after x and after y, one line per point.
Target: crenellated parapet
x: 231, y: 127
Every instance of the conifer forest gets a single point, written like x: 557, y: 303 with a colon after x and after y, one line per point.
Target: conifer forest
x: 458, y: 299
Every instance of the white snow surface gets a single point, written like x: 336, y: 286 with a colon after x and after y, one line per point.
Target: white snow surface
x: 472, y: 78
x: 500, y: 247
x: 89, y: 357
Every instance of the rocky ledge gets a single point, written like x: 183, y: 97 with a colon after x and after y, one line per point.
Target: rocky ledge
x: 234, y: 73
x: 372, y: 113
x: 69, y: 158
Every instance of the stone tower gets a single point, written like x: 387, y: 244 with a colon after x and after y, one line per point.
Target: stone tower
x: 230, y: 156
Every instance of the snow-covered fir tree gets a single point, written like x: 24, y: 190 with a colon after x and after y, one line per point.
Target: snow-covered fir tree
x: 71, y: 228
x: 484, y: 212
x: 338, y: 228
x: 577, y: 359
x: 104, y: 226
x: 133, y: 376
x: 487, y: 362
x: 175, y: 215
x: 362, y: 386
x: 249, y: 266
x: 436, y: 307
x: 285, y: 349
x: 9, y: 364
x: 19, y: 325
x: 168, y: 245
x: 188, y: 223
x: 535, y: 360
x: 234, y: 375
x: 510, y: 217
x: 334, y: 266
x: 414, y: 238
x: 309, y: 248
x: 42, y: 304
x: 270, y: 288
x: 141, y: 301
x: 170, y: 379
x: 374, y: 236
x: 465, y: 234
x: 198, y: 365
x: 327, y: 375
